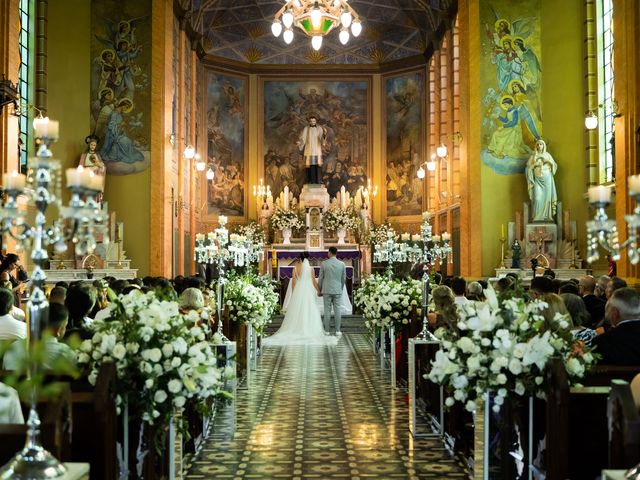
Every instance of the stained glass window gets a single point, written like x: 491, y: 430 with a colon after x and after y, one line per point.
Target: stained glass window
x: 24, y: 75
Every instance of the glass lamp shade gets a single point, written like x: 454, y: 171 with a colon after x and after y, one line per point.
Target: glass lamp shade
x: 591, y: 121
x: 288, y: 36
x: 316, y: 42
x: 200, y: 165
x: 210, y: 174
x: 189, y: 152
x: 287, y: 19
x: 345, y: 19
x: 344, y: 36
x: 316, y: 17
x: 431, y: 166
x: 276, y: 28
x: 441, y: 151
x: 421, y: 173
x: 356, y: 28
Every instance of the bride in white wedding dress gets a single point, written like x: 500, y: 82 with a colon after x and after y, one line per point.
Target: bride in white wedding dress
x: 302, y: 324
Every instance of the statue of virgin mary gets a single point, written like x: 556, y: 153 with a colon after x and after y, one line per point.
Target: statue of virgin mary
x: 540, y: 170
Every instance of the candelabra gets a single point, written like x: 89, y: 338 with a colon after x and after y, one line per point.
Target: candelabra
x: 77, y: 222
x: 434, y: 248
x: 395, y: 252
x: 601, y: 231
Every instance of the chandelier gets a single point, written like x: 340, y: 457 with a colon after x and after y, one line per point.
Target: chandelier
x: 316, y: 19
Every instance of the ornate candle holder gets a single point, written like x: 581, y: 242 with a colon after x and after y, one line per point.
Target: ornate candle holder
x: 602, y: 231
x: 78, y: 222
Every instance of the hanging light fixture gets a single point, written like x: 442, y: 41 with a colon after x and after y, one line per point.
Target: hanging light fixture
x: 591, y: 121
x: 316, y: 18
x: 210, y: 174
x: 200, y: 164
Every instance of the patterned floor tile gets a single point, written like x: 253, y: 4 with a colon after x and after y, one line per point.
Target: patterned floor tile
x: 315, y: 412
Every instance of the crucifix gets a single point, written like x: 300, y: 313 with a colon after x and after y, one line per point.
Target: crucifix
x: 540, y: 236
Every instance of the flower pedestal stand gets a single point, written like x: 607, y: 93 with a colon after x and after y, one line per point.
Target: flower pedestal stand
x: 342, y: 233
x: 391, y: 333
x: 286, y: 236
x: 251, y: 352
x: 436, y: 424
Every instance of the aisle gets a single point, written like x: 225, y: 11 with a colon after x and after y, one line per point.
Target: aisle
x: 320, y: 413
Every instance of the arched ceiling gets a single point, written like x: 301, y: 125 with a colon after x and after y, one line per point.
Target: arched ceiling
x: 240, y: 31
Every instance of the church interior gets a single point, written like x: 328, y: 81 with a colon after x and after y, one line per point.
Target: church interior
x: 318, y: 239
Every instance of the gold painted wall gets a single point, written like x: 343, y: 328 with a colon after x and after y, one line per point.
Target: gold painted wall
x: 69, y: 67
x: 562, y: 104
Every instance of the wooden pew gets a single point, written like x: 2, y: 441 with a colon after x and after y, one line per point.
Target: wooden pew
x: 624, y: 427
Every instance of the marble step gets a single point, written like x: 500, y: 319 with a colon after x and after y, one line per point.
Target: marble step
x: 350, y: 323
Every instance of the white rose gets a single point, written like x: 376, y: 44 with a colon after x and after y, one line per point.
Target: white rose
x: 148, y: 383
x: 520, y: 388
x: 174, y: 386
x: 449, y: 402
x: 83, y: 358
x: 167, y: 350
x: 160, y: 396
x: 93, y: 377
x: 515, y: 366
x: 179, y: 401
x: 470, y: 406
x: 501, y: 379
x: 175, y: 362
x: 119, y: 351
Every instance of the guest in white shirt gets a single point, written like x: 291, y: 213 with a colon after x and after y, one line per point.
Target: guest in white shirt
x: 459, y: 287
x: 10, y: 410
x: 10, y: 328
x: 16, y: 356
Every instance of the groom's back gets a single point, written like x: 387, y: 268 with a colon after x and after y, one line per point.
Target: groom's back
x: 332, y: 278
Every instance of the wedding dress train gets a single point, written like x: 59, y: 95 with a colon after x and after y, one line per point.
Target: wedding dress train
x: 302, y: 324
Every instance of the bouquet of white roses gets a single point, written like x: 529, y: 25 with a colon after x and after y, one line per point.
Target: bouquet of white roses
x: 387, y: 302
x: 162, y: 357
x: 252, y: 231
x: 336, y: 218
x: 250, y: 299
x: 379, y: 234
x: 501, y: 347
x: 281, y: 219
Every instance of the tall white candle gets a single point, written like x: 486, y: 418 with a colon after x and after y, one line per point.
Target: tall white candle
x: 15, y: 181
x: 343, y: 197
x: 74, y: 176
x: 599, y: 194
x: 446, y: 236
x: 45, y: 128
x: 286, y: 197
x: 634, y: 184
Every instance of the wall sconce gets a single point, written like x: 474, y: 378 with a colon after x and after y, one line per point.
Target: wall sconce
x: 430, y: 164
x: 189, y: 152
x: 442, y: 151
x: 591, y: 119
x: 200, y: 164
x: 210, y: 174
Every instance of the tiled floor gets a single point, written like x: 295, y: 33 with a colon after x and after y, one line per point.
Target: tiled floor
x: 320, y: 413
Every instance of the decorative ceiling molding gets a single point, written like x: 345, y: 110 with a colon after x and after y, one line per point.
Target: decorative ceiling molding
x: 239, y: 31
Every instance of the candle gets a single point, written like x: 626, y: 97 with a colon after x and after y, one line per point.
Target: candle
x: 599, y: 194
x: 211, y: 236
x: 95, y: 182
x: 416, y: 237
x: 436, y: 238
x: 343, y: 198
x: 15, y: 181
x: 286, y: 197
x: 45, y: 128
x: 634, y: 185
x: 75, y: 176
x: 446, y: 236
x: 502, y: 231
x: 426, y: 215
x: 405, y: 237
x: 199, y: 237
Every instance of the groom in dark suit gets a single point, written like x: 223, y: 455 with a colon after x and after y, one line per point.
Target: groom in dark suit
x: 331, y: 282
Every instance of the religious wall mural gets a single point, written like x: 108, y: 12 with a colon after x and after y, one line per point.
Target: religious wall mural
x: 510, y: 83
x: 404, y: 106
x: 341, y: 109
x: 226, y: 144
x: 120, y: 83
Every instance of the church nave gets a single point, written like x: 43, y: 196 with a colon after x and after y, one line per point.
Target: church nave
x: 320, y: 412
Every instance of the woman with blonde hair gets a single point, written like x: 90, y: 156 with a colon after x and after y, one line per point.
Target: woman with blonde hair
x: 445, y: 313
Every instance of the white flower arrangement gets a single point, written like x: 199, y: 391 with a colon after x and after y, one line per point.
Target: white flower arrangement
x: 336, y: 218
x: 251, y: 299
x: 501, y: 347
x: 379, y: 234
x: 281, y: 219
x: 162, y: 358
x: 387, y: 302
x: 253, y: 232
